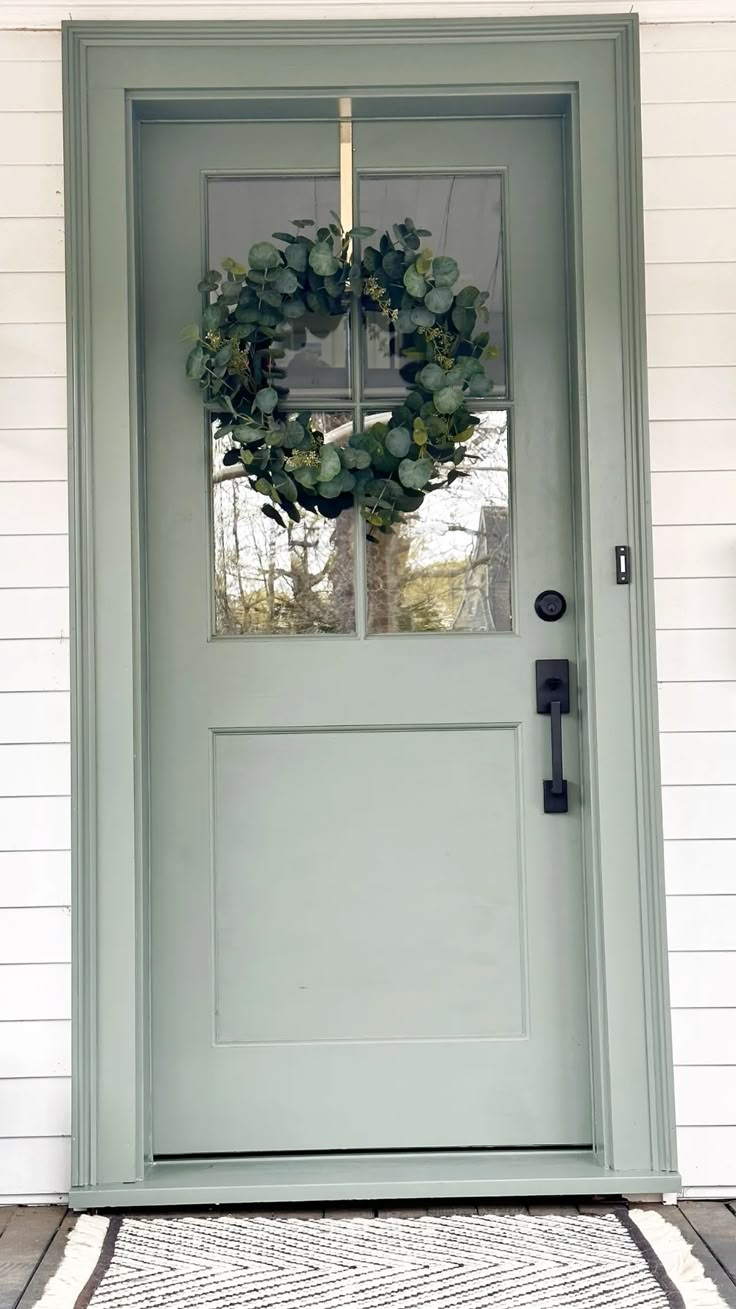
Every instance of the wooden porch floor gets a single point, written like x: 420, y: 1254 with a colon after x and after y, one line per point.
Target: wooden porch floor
x: 32, y: 1239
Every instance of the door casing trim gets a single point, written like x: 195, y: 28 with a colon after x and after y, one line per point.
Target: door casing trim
x: 114, y: 75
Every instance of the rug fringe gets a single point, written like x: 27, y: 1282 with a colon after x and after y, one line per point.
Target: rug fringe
x: 83, y: 1246
x: 678, y: 1261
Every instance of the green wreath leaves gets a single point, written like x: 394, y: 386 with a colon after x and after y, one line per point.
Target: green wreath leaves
x: 388, y: 468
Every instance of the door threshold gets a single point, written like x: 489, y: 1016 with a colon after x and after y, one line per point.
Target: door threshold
x: 285, y: 1179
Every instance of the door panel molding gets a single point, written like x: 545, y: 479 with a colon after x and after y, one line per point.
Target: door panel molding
x: 114, y: 76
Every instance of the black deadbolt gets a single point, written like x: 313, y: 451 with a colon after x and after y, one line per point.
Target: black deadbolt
x: 549, y: 606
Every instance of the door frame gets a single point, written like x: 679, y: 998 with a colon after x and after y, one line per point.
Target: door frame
x: 117, y: 75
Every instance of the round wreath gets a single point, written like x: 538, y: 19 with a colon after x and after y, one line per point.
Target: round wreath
x: 388, y: 468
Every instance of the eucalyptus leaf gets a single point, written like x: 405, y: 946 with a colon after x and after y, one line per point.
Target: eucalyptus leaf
x: 445, y: 270
x: 322, y: 259
x: 416, y: 284
x: 297, y: 256
x: 421, y: 316
x: 294, y: 308
x: 463, y: 320
x: 432, y: 377
x: 211, y: 318
x: 439, y: 299
x: 286, y: 281
x: 270, y: 512
x: 329, y: 464
x: 267, y: 399
x: 393, y: 265
x: 398, y: 441
x: 415, y: 473
x: 196, y: 363
x: 306, y: 476
x: 285, y: 486
x: 468, y: 297
x: 263, y: 255
x: 448, y: 399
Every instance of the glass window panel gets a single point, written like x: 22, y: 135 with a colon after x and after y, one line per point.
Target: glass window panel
x: 464, y: 213
x: 243, y: 210
x: 448, y: 567
x: 274, y: 580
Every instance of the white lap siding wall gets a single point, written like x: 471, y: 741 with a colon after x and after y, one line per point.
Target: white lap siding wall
x: 689, y: 122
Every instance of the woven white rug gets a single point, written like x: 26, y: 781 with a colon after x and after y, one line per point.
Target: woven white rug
x: 489, y: 1261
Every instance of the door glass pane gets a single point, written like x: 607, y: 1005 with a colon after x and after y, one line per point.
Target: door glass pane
x: 464, y: 213
x: 244, y: 210
x: 448, y: 567
x: 274, y: 580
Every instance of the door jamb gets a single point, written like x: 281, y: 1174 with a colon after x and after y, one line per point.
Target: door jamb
x: 113, y: 60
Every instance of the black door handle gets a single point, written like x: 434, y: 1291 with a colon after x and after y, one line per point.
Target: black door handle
x: 553, y: 698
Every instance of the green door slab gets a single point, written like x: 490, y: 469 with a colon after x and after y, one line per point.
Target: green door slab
x: 366, y: 932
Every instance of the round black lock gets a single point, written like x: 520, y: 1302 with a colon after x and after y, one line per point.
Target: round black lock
x: 549, y: 606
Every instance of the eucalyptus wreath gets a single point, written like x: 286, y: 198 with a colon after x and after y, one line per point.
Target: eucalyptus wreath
x: 388, y: 468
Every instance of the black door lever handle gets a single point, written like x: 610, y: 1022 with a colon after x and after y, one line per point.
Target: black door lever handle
x: 558, y: 782
x: 553, y: 698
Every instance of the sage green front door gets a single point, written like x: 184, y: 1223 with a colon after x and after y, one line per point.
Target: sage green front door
x: 365, y: 932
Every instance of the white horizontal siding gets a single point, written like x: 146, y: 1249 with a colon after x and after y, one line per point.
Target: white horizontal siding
x: 34, y: 561
x: 34, y: 1106
x: 27, y: 508
x: 702, y: 922
x: 676, y: 393
x: 693, y: 551
x: 35, y: 1049
x: 689, y: 136
x: 692, y: 340
x: 687, y: 132
x: 690, y: 287
x: 32, y: 190
x: 692, y: 758
x: 696, y: 656
x: 34, y: 716
x: 700, y: 867
x: 691, y: 181
x: 34, y: 665
x: 689, y: 139
x: 31, y: 139
x: 24, y: 345
x: 40, y: 405
x: 39, y: 935
x: 684, y: 602
x: 28, y: 612
x: 31, y: 297
x: 34, y: 770
x: 27, y: 455
x: 34, y: 1168
x: 703, y: 979
x: 698, y: 498
x: 690, y: 235
x: 34, y: 992
x: 35, y: 878
x: 678, y: 447
x: 36, y: 243
x: 52, y: 12
x: 696, y: 706
x: 35, y: 822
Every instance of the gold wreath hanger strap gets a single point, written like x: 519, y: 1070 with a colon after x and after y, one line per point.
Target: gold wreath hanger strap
x: 345, y: 110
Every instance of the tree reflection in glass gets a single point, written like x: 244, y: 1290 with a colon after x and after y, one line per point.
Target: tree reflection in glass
x: 448, y: 567
x: 271, y: 580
